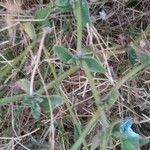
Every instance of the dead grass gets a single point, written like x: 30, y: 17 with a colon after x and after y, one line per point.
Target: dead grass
x: 125, y: 22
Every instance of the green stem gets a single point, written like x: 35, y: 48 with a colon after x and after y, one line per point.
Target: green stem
x: 90, y: 125
x: 97, y: 115
x: 5, y: 71
x: 74, y: 118
x: 96, y: 95
x: 79, y: 27
x: 130, y: 74
x: 16, y: 98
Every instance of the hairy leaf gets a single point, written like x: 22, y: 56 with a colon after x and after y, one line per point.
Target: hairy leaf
x: 63, y: 53
x: 93, y: 65
x: 55, y: 101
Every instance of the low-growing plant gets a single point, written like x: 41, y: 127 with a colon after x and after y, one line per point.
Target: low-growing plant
x: 40, y: 100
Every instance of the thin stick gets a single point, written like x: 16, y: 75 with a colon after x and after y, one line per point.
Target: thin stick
x: 45, y: 31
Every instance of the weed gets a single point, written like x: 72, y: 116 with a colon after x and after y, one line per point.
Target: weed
x: 81, y: 67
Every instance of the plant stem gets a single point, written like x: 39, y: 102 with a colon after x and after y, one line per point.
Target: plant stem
x: 76, y: 123
x: 79, y: 26
x: 98, y: 113
x: 96, y: 95
x: 16, y: 98
x: 90, y: 125
x: 130, y: 74
x: 5, y: 71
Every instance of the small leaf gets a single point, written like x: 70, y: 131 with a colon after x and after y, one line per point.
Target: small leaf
x: 28, y: 100
x: 42, y: 14
x: 63, y: 5
x: 84, y: 12
x: 55, y: 101
x: 35, y: 110
x: 63, y: 53
x: 132, y: 55
x: 29, y: 29
x: 138, y: 55
x: 93, y: 65
x: 33, y: 103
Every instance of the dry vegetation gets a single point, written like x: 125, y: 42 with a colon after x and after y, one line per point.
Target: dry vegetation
x: 25, y: 54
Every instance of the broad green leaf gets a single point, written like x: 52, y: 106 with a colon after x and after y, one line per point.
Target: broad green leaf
x: 42, y: 14
x: 29, y: 29
x: 63, y: 53
x: 63, y: 5
x: 28, y: 100
x: 35, y: 109
x: 132, y: 55
x: 33, y: 102
x: 137, y: 54
x: 55, y: 101
x: 93, y: 65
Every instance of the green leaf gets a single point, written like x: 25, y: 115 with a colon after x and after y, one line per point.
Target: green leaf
x: 76, y: 133
x: 42, y: 14
x: 63, y: 5
x: 93, y: 65
x: 35, y: 109
x: 33, y: 102
x: 130, y: 144
x: 55, y: 101
x: 28, y: 100
x: 29, y: 29
x: 85, y: 14
x: 138, y: 55
x: 132, y: 55
x: 63, y: 53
